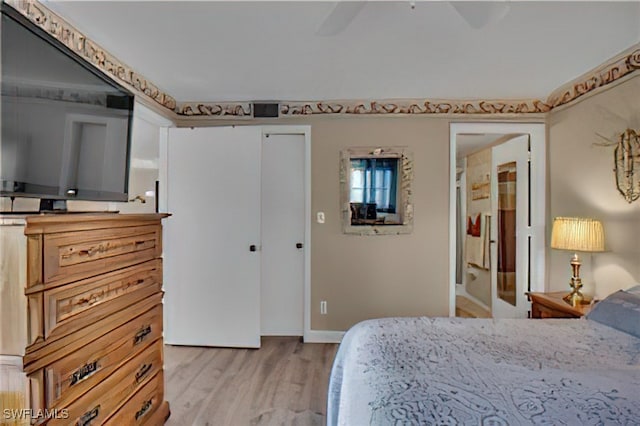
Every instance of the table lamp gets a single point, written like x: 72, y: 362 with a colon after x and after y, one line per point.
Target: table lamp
x: 576, y: 234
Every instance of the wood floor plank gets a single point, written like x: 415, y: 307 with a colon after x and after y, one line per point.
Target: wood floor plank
x: 283, y: 383
x: 466, y: 308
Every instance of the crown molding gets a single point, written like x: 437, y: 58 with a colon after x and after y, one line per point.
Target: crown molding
x: 619, y: 67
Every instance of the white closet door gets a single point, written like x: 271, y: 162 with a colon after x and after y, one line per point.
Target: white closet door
x: 212, y: 241
x: 283, y: 221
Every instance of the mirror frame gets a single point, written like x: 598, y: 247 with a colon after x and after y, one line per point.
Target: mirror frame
x: 405, y: 191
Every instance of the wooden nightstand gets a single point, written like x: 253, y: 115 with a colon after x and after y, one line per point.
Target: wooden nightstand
x: 551, y: 305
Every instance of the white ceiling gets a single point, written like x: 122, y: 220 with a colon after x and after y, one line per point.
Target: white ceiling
x: 467, y: 144
x: 270, y: 50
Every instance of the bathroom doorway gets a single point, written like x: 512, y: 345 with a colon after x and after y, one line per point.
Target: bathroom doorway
x: 492, y: 269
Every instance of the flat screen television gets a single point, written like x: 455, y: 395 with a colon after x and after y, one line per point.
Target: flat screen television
x: 66, y: 127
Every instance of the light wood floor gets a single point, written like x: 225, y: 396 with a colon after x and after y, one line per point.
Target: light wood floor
x: 467, y: 309
x: 283, y: 383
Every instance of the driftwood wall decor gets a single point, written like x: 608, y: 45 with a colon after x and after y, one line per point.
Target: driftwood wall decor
x: 627, y: 165
x: 626, y: 157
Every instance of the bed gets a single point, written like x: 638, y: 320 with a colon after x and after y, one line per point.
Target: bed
x: 442, y: 371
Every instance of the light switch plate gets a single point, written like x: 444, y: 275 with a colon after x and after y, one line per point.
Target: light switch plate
x: 320, y: 217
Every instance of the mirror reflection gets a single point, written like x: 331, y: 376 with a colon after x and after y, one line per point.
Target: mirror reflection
x: 376, y: 191
x: 507, y: 179
x: 373, y: 192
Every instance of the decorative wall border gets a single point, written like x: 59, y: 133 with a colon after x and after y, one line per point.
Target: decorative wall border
x: 215, y: 109
x: 618, y: 67
x: 415, y: 107
x: 68, y: 35
x: 614, y: 69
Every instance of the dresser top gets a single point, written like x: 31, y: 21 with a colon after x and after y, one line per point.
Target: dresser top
x: 61, y: 222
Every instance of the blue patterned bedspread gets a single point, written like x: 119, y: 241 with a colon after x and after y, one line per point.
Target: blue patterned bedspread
x: 451, y: 371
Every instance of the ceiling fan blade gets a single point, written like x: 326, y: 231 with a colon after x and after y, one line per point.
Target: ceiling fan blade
x: 340, y: 17
x: 479, y: 14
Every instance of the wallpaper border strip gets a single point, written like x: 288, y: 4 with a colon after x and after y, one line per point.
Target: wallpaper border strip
x: 609, y: 72
x: 68, y: 35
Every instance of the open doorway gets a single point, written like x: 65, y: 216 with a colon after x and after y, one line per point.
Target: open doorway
x: 493, y: 263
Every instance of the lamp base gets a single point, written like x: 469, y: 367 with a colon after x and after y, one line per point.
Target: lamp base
x: 576, y: 298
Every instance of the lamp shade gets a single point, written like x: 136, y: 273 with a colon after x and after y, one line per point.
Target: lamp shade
x: 577, y: 234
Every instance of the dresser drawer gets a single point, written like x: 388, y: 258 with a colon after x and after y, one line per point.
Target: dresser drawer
x: 71, y: 307
x: 105, y: 398
x: 75, y: 255
x: 541, y: 311
x: 142, y: 406
x: 39, y: 356
x: 80, y: 370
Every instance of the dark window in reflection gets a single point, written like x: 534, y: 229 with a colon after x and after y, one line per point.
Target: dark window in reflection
x: 373, y: 191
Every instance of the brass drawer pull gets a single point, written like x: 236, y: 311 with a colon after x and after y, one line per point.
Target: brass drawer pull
x: 141, y: 334
x: 87, y: 417
x: 142, y: 372
x: 83, y: 372
x: 144, y: 408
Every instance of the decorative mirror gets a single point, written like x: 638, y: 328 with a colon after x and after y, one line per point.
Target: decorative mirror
x: 376, y: 194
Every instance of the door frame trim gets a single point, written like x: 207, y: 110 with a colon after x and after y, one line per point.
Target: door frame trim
x: 304, y: 130
x: 537, y: 132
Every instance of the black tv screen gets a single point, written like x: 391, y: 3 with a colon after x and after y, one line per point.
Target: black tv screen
x: 65, y: 126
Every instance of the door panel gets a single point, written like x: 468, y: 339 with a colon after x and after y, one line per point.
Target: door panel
x: 283, y: 219
x: 510, y: 229
x: 212, y: 278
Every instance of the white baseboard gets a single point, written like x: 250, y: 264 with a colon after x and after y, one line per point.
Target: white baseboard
x: 323, y: 336
x: 280, y: 333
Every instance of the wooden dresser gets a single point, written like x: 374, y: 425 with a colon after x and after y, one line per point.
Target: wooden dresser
x: 84, y: 309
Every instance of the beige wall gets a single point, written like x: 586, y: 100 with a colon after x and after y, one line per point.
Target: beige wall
x: 364, y: 277
x: 478, y: 168
x: 582, y: 183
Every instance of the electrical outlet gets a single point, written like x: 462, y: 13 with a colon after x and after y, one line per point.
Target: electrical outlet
x: 320, y: 217
x: 323, y: 307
